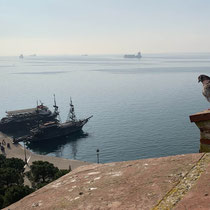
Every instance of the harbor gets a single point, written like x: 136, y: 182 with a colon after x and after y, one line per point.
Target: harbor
x: 105, y: 105
x: 19, y: 151
x: 181, y: 185
x: 135, y: 114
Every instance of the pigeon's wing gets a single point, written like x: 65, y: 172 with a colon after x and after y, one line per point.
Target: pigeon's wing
x: 206, y: 91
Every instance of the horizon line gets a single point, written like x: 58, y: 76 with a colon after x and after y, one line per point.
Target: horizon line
x: 91, y: 54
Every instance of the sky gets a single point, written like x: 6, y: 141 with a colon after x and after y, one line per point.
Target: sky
x: 65, y: 27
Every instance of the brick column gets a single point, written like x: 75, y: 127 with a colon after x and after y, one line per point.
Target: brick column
x: 202, y: 120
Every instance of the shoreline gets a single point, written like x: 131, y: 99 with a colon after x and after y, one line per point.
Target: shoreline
x: 17, y: 151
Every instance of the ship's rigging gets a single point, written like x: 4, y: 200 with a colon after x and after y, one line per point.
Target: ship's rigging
x: 71, y: 115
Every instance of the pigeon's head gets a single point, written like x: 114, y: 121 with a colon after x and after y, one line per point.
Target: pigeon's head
x: 203, y: 77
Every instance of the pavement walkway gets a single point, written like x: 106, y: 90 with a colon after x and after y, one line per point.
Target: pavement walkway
x: 17, y: 150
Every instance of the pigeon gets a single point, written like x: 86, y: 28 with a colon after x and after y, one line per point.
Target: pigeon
x: 206, y: 86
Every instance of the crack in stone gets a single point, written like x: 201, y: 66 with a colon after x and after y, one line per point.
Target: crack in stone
x: 185, y: 184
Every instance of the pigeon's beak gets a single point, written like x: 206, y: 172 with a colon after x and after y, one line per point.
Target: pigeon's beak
x: 199, y: 80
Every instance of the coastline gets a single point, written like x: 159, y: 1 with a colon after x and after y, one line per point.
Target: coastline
x: 17, y: 151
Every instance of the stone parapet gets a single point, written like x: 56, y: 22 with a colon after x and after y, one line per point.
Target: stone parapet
x: 177, y: 182
x: 202, y: 120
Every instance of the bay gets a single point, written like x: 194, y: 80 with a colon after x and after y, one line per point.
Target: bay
x: 140, y: 107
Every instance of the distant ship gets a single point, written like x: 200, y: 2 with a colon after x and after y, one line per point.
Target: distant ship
x: 133, y: 56
x: 55, y: 129
x: 21, y: 56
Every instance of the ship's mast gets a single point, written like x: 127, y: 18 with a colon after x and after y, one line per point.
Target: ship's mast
x: 55, y: 106
x: 37, y: 104
x: 71, y: 115
x: 56, y: 109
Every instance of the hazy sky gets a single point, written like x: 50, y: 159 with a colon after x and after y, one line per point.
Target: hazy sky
x: 103, y: 26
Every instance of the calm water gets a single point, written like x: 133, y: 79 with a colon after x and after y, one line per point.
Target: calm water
x: 141, y: 107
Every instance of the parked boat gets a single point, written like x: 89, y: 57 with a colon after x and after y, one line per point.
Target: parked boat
x: 55, y: 129
x: 27, y: 118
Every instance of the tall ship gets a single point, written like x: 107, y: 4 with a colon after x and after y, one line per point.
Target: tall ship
x: 25, y: 119
x: 138, y: 55
x: 55, y: 129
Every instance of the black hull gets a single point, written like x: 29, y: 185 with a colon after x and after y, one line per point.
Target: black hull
x: 51, y: 131
x: 25, y: 124
x: 54, y: 135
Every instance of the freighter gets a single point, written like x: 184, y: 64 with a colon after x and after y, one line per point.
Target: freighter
x: 133, y: 56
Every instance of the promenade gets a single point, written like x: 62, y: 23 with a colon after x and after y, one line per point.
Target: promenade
x: 17, y: 151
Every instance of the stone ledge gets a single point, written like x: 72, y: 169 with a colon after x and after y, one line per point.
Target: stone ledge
x: 200, y: 116
x: 139, y: 184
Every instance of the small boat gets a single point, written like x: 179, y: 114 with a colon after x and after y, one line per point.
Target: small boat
x: 133, y: 56
x: 55, y: 129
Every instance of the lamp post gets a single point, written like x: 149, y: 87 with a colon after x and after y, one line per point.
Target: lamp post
x: 97, y: 152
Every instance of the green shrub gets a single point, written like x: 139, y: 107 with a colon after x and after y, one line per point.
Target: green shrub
x: 15, y: 193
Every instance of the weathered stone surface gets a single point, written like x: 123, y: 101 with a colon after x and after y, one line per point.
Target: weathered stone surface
x: 202, y: 120
x: 139, y: 184
x: 172, y: 198
x: 200, y: 116
x: 199, y: 196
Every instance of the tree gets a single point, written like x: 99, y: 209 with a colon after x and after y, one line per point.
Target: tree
x: 1, y: 201
x: 15, y: 163
x: 15, y: 193
x: 11, y: 171
x: 2, y: 159
x: 41, y: 173
x: 61, y: 173
x: 11, y: 181
x: 10, y: 176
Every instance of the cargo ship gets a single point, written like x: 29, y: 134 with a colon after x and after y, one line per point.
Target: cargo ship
x: 133, y: 56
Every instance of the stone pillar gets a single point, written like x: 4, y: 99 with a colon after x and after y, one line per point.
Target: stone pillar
x: 202, y: 120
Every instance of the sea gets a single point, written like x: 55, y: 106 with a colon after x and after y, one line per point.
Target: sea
x: 140, y: 107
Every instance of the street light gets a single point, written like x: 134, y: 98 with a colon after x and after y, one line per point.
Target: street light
x: 97, y: 152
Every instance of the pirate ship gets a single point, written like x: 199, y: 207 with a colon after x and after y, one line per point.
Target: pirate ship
x: 55, y: 129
